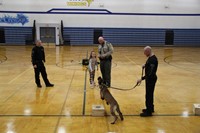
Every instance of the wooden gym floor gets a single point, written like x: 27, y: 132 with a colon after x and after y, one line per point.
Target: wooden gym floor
x: 67, y: 107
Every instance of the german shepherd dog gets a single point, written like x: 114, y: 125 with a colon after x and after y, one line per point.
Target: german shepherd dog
x: 105, y: 94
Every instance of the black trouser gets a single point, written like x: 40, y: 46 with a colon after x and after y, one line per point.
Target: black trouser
x: 105, y: 66
x: 150, y: 87
x: 41, y: 69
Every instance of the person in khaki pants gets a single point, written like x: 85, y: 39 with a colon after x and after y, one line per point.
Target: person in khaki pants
x: 105, y: 50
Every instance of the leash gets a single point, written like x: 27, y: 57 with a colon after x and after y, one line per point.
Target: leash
x: 137, y: 84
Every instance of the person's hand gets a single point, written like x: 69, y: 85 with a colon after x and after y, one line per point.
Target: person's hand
x: 139, y: 81
x: 92, y: 71
x: 143, y: 66
x: 103, y: 56
x: 34, y: 66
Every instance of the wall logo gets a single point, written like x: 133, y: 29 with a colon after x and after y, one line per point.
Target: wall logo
x: 79, y: 2
x: 20, y: 18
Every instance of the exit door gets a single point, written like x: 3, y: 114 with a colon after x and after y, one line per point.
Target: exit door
x: 97, y: 34
x: 2, y: 35
x: 48, y: 34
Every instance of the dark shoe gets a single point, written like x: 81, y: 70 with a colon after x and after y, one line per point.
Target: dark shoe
x: 39, y: 86
x: 145, y: 110
x: 50, y: 85
x: 145, y: 114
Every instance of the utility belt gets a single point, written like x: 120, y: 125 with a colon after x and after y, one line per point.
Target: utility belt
x: 39, y: 61
x: 109, y: 58
x: 152, y: 77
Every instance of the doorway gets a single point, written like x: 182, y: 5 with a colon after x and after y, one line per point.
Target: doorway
x: 47, y: 34
x: 97, y: 34
x: 169, y: 37
x: 2, y: 35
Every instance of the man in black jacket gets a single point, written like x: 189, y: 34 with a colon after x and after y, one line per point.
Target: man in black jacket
x: 150, y: 79
x: 38, y: 59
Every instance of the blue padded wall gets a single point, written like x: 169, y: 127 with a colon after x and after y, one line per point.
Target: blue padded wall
x: 117, y: 36
x: 17, y: 35
x: 185, y: 37
x: 126, y: 36
x: 79, y: 36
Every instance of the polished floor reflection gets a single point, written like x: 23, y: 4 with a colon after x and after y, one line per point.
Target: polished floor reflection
x: 67, y: 107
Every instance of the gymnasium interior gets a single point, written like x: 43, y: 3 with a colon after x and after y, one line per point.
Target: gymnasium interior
x: 69, y: 30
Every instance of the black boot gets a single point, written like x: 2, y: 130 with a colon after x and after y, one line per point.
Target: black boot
x: 146, y: 113
x: 39, y: 85
x: 144, y: 110
x: 49, y: 85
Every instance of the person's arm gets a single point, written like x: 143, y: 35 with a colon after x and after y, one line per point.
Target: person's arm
x: 152, y: 70
x: 33, y: 57
x: 99, y: 51
x: 152, y: 67
x: 142, y: 77
x: 110, y: 50
x: 96, y: 64
x: 43, y: 54
x: 90, y: 65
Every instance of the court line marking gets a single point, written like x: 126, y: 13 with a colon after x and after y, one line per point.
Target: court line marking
x: 19, y: 75
x: 59, y: 116
x: 137, y: 65
x: 18, y: 89
x: 85, y: 88
x: 154, y: 115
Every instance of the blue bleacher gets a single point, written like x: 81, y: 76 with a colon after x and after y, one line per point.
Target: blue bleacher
x: 117, y: 36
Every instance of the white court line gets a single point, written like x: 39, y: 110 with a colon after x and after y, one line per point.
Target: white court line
x: 137, y: 65
x: 20, y: 75
x: 23, y: 72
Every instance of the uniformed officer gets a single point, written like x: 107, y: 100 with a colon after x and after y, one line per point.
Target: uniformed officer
x: 150, y: 78
x: 38, y: 59
x: 105, y: 50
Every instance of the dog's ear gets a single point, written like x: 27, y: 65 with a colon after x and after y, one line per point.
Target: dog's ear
x: 100, y: 80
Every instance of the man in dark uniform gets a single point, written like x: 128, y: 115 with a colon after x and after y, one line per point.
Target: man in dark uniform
x: 105, y: 50
x: 150, y: 79
x: 38, y: 59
